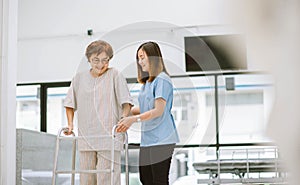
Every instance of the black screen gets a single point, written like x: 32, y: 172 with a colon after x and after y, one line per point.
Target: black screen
x: 217, y: 52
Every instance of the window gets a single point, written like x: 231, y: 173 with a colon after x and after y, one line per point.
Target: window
x: 56, y: 114
x: 244, y: 112
x: 28, y: 107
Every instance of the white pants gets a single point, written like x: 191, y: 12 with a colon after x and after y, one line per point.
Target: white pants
x: 91, y: 160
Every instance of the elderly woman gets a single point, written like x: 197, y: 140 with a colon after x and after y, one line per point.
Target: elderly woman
x: 100, y: 97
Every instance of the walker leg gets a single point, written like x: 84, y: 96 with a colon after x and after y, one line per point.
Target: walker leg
x: 112, y: 158
x: 55, y: 161
x: 126, y: 163
x: 73, y: 161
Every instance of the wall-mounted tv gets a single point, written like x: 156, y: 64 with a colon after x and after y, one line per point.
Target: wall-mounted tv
x: 215, y: 53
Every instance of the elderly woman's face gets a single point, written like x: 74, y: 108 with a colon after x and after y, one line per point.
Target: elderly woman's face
x: 99, y: 63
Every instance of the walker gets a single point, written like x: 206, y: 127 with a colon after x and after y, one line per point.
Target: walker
x: 73, y: 171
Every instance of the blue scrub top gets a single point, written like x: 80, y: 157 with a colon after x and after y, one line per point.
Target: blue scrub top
x: 160, y: 130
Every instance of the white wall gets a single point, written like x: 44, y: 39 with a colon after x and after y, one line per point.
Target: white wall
x: 44, y: 18
x: 52, y: 35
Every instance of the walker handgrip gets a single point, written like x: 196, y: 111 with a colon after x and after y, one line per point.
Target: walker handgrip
x: 114, y: 130
x: 63, y: 130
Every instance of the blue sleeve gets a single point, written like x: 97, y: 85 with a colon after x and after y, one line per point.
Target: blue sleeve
x: 163, y: 89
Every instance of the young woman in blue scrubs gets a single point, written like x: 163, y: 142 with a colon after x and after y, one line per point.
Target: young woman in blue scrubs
x: 159, y: 134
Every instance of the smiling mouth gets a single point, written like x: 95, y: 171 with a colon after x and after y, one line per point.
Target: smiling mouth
x: 100, y: 69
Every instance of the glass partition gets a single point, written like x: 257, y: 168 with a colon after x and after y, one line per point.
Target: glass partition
x: 28, y: 107
x: 56, y: 114
x: 193, y: 115
x: 245, y: 102
x: 243, y: 105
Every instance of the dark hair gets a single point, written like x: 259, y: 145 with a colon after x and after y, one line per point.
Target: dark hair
x: 98, y: 47
x: 156, y: 63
